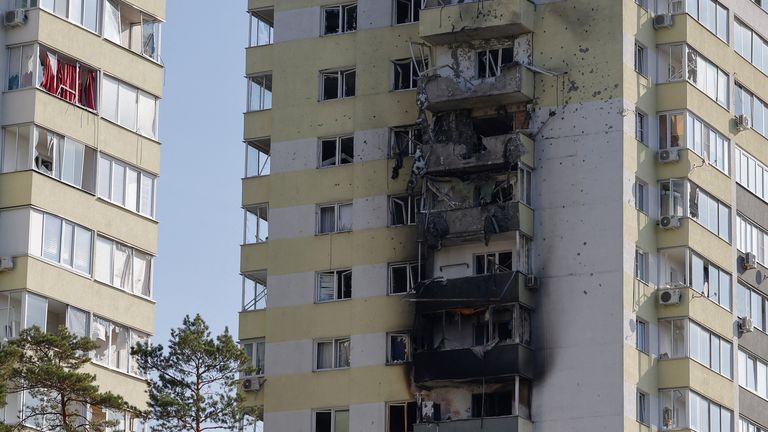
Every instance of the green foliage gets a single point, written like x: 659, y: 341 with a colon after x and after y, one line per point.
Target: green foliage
x: 47, y: 367
x: 194, y: 384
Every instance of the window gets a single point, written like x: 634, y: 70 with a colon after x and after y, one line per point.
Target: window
x: 401, y: 416
x: 492, y: 404
x: 256, y: 224
x: 254, y: 350
x: 337, y: 84
x: 681, y: 198
x: 129, y: 107
x: 679, y: 338
x: 641, y: 336
x: 404, y: 140
x: 123, y: 267
x: 710, y: 280
x: 67, y: 79
x: 114, y: 345
x: 260, y: 92
x: 680, y: 62
x: 334, y: 218
x: 641, y: 59
x: 750, y: 237
x: 641, y: 196
x: 21, y: 67
x: 82, y: 12
x: 126, y: 186
x: 403, y: 277
x: 494, y: 262
x: 751, y: 174
x: 60, y: 241
x: 407, y: 73
x: 641, y: 265
x: 643, y: 405
x: 257, y: 158
x: 332, y: 353
x: 331, y: 420
x: 744, y: 424
x: 641, y: 127
x: 491, y: 62
x: 255, y: 291
x: 337, y: 151
x: 403, y: 209
x: 339, y: 19
x: 132, y: 29
x: 334, y: 285
x: 710, y: 13
x: 261, y: 29
x: 754, y: 108
x: 407, y: 11
x: 398, y: 347
x: 750, y: 45
x: 752, y: 305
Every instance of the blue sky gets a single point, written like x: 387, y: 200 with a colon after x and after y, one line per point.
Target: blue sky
x: 201, y: 128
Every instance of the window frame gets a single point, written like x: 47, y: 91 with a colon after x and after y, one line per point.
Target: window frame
x: 642, y: 335
x: 414, y: 139
x: 341, y: 75
x: 264, y: 98
x: 405, y: 406
x: 333, y: 412
x: 261, y: 213
x: 258, y: 299
x: 414, y: 12
x: 641, y: 127
x: 411, y: 206
x: 254, y: 359
x: 414, y: 72
x: 254, y: 15
x: 131, y: 252
x: 339, y: 154
x: 642, y: 262
x: 496, y: 55
x: 125, y: 168
x: 643, y: 408
x: 409, y: 266
x: 495, y: 255
x: 642, y: 196
x: 641, y: 58
x: 336, y: 343
x: 408, y: 348
x: 263, y: 152
x: 338, y: 285
x: 337, y: 218
x: 118, y: 106
x: 343, y: 9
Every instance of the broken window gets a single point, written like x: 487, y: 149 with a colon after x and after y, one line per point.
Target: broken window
x: 255, y: 291
x: 494, y: 262
x: 132, y: 29
x: 404, y: 209
x: 68, y: 79
x: 256, y: 224
x: 407, y: 72
x: 401, y: 416
x: 337, y: 84
x: 332, y: 353
x: 492, y: 404
x: 334, y: 285
x: 129, y: 107
x: 257, y: 157
x: 672, y: 193
x: 403, y: 277
x: 113, y: 344
x: 334, y: 218
x: 680, y: 62
x: 255, y: 351
x: 260, y: 92
x: 21, y: 67
x: 60, y: 241
x: 407, y: 11
x: 126, y: 186
x: 710, y: 212
x: 398, y: 347
x: 123, y: 267
x: 710, y: 280
x: 261, y: 29
x: 337, y: 151
x: 339, y: 19
x: 491, y: 62
x: 16, y: 154
x: 404, y: 140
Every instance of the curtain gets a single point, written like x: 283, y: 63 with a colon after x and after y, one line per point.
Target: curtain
x: 103, y: 260
x: 325, y: 290
x: 67, y: 80
x: 112, y: 21
x: 88, y: 91
x: 49, y: 83
x: 82, y: 259
x: 324, y: 355
x: 122, y: 267
x: 141, y: 267
x: 342, y: 359
x: 52, y: 238
x: 77, y: 322
x: 146, y: 114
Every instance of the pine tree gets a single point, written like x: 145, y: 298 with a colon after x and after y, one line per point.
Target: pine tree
x: 194, y: 385
x: 47, y: 367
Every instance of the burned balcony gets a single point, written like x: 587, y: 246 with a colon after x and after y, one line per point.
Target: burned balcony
x: 495, y: 153
x: 487, y: 424
x: 513, y: 85
x: 450, y: 21
x: 471, y: 291
x: 499, y: 363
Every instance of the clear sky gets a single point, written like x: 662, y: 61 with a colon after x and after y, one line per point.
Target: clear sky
x: 201, y: 129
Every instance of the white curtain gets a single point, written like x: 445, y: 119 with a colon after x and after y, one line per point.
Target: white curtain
x: 141, y: 272
x: 52, y: 238
x: 121, y: 271
x: 326, y: 287
x: 82, y: 259
x: 109, y: 91
x: 147, y: 195
x: 37, y: 308
x: 103, y: 264
x: 112, y: 21
x: 324, y: 355
x: 146, y: 117
x: 127, y: 106
x: 77, y: 322
x: 35, y: 233
x: 131, y: 188
x: 345, y: 217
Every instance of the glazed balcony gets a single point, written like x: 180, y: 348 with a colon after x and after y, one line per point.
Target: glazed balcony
x: 474, y: 223
x: 443, y: 23
x: 499, y: 153
x: 487, y: 424
x: 514, y: 85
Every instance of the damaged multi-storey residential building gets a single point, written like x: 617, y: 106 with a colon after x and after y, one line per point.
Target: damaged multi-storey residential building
x: 506, y: 215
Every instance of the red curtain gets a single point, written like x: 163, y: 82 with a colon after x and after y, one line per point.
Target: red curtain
x: 49, y: 75
x: 88, y: 90
x: 67, y: 78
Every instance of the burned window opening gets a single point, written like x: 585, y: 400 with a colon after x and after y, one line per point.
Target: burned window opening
x: 491, y: 62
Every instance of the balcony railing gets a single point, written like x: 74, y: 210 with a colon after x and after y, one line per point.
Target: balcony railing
x: 497, y: 364
x: 514, y: 85
x: 449, y: 21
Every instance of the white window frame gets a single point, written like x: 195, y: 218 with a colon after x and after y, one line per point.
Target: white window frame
x: 338, y: 284
x: 338, y: 159
x: 118, y: 107
x: 410, y: 282
x: 255, y: 296
x: 254, y: 345
x: 495, y: 258
x: 412, y: 131
x: 642, y: 193
x: 261, y: 230
x: 641, y: 59
x: 643, y: 407
x: 408, y: 347
x: 641, y: 127
x: 410, y: 67
x: 342, y: 76
x: 494, y: 63
x: 125, y: 169
x: 641, y: 265
x: 343, y: 24
x: 337, y: 218
x: 414, y: 11
x: 131, y: 252
x: 642, y: 335
x: 336, y: 343
x: 255, y: 21
x: 263, y: 163
x: 411, y: 207
x: 258, y: 84
x: 62, y: 223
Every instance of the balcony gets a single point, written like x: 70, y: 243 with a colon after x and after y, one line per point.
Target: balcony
x: 441, y: 25
x: 498, y: 154
x: 514, y: 85
x: 487, y: 424
x: 498, y: 364
x: 471, y: 291
x: 451, y: 227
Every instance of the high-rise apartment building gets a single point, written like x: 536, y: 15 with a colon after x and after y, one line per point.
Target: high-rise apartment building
x: 507, y: 215
x: 80, y: 157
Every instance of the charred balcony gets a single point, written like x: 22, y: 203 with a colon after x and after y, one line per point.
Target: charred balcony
x: 450, y: 21
x: 493, y: 154
x: 487, y: 424
x: 474, y: 291
x: 514, y: 84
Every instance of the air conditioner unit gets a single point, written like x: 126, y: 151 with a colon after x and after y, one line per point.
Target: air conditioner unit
x: 15, y: 18
x: 531, y: 282
x: 670, y: 296
x: 668, y: 155
x: 742, y: 122
x: 6, y: 263
x: 663, y: 21
x: 669, y: 222
x: 251, y: 384
x: 745, y: 325
x: 750, y: 261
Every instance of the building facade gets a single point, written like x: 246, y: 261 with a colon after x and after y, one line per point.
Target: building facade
x: 519, y: 215
x: 78, y: 173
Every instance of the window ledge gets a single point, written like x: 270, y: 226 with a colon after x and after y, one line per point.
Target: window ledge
x: 332, y: 233
x: 138, y: 296
x: 122, y: 372
x: 114, y: 204
x: 332, y: 369
x: 256, y: 111
x: 58, y: 265
x: 154, y: 140
x: 319, y: 302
